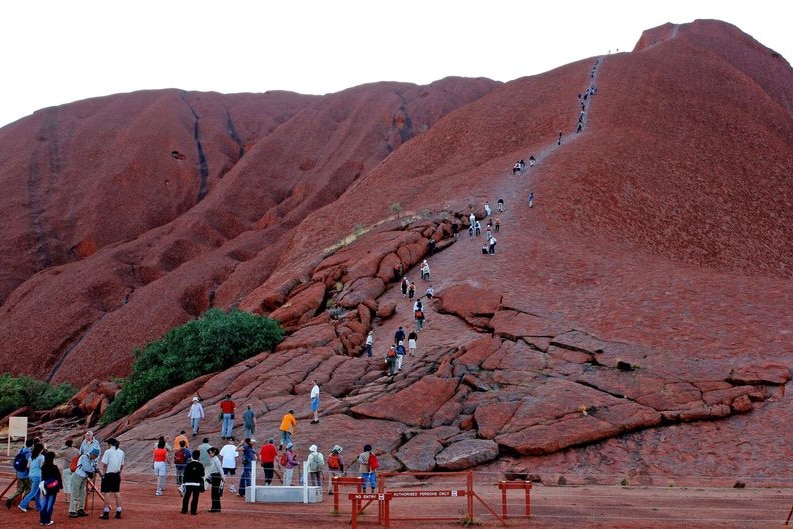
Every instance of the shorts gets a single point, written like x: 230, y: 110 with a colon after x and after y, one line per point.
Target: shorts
x: 315, y: 404
x: 111, y: 482
x: 229, y: 471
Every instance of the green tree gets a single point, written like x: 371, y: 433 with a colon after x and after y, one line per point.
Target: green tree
x: 214, y: 342
x: 17, y: 392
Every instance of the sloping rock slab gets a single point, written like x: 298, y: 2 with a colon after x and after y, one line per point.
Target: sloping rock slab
x: 414, y: 405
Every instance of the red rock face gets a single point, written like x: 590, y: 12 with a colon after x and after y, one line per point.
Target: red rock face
x: 636, y: 311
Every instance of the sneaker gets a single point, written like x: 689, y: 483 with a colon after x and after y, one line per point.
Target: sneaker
x: 104, y: 516
x: 73, y: 515
x: 22, y: 508
x: 118, y: 515
x: 81, y: 512
x: 158, y: 493
x: 232, y: 489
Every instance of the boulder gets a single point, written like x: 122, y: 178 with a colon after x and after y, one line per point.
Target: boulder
x: 466, y: 454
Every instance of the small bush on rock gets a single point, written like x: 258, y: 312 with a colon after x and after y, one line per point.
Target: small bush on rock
x: 18, y: 392
x: 214, y: 342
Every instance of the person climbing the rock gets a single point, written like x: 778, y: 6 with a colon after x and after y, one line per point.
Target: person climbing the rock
x: 501, y: 205
x: 425, y: 270
x: 404, y: 286
x: 400, y: 355
x: 497, y: 225
x: 419, y: 317
x: 412, y: 343
x: 411, y: 290
x: 532, y: 161
x: 487, y: 209
x: 531, y: 200
x: 390, y: 360
x: 399, y: 335
x: 369, y: 343
x: 478, y: 228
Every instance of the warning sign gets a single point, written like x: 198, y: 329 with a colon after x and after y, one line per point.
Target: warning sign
x: 428, y: 493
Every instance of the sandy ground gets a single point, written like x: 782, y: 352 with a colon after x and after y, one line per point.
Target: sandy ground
x: 552, y: 507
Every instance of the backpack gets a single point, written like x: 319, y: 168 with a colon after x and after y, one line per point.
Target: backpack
x: 284, y: 459
x: 374, y: 464
x: 334, y: 463
x: 74, y: 463
x: 180, y: 457
x: 391, y: 353
x: 314, y: 463
x: 21, y: 462
x: 419, y: 314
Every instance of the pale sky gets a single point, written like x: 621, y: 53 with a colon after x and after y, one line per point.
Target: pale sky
x: 58, y: 51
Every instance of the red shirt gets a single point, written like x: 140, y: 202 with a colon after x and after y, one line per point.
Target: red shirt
x: 227, y: 406
x: 160, y: 455
x: 268, y: 453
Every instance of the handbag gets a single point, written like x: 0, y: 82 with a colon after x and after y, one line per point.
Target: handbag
x: 48, y: 485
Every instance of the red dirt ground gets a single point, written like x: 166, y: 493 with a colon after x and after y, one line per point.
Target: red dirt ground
x: 553, y: 507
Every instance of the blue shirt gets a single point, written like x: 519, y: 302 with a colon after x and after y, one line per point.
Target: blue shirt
x: 35, y: 466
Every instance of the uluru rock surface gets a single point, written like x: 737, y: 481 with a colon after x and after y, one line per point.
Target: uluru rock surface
x: 636, y: 314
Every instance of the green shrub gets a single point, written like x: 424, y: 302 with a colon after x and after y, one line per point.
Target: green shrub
x: 16, y: 392
x: 214, y: 342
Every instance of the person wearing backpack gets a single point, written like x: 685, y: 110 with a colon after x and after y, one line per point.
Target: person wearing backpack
x: 288, y: 463
x: 181, y: 458
x: 400, y: 355
x: 86, y: 467
x: 367, y: 465
x: 21, y: 468
x: 390, y: 360
x: 68, y: 453
x: 335, y: 466
x: 315, y: 462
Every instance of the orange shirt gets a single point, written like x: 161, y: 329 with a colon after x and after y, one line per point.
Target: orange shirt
x: 288, y: 423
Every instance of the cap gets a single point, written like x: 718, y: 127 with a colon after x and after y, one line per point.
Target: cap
x: 367, y: 448
x: 94, y: 452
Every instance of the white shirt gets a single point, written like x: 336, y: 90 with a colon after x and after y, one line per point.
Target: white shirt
x: 369, y: 339
x: 196, y: 411
x: 315, y: 392
x: 114, y: 459
x: 229, y: 455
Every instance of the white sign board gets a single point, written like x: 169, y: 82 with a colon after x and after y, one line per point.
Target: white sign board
x: 17, y: 427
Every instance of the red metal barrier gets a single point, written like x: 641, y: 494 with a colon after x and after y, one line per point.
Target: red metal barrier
x: 515, y: 485
x: 339, y: 481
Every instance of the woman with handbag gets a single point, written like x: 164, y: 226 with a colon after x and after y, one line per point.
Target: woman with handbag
x: 215, y: 479
x: 51, y: 483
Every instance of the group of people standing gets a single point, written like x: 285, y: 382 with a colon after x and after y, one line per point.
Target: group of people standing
x: 40, y: 477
